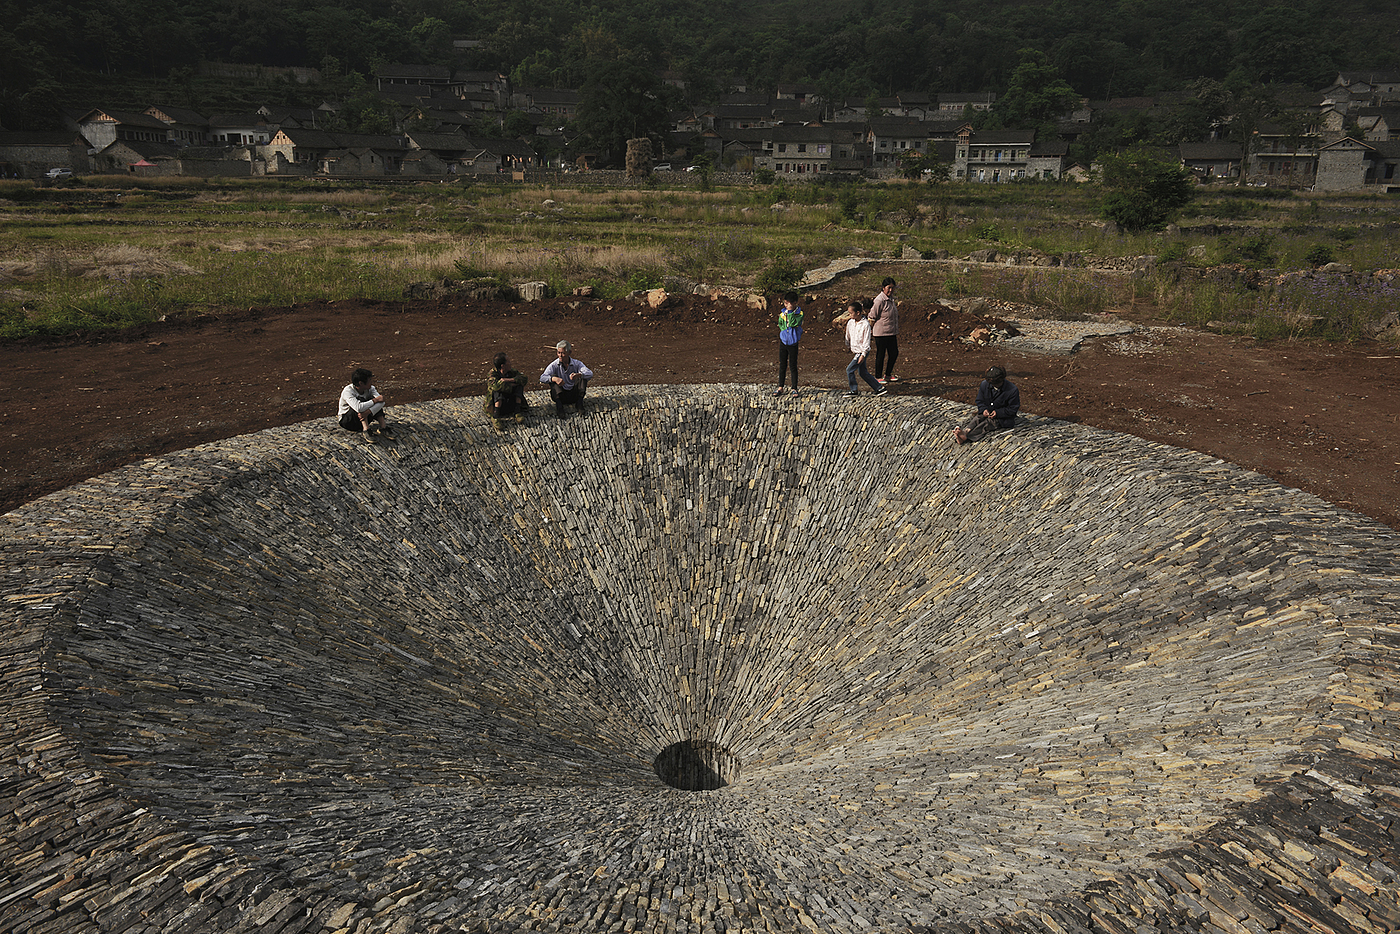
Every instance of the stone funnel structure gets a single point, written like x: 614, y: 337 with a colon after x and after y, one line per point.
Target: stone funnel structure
x: 702, y: 661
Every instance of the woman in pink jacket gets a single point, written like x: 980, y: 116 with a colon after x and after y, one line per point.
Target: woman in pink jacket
x: 884, y: 329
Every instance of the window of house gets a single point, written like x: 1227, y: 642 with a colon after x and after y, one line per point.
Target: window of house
x: 998, y: 156
x: 782, y: 147
x: 981, y: 175
x: 801, y: 147
x: 821, y: 149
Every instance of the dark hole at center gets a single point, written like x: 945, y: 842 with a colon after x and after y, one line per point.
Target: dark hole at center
x: 696, y: 765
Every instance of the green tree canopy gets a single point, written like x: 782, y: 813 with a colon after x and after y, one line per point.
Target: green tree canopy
x: 1036, y: 95
x: 1143, y: 191
x: 622, y: 101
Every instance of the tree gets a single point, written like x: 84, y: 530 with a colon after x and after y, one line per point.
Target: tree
x: 1249, y: 105
x: 704, y: 163
x: 1036, y: 95
x: 1143, y: 192
x: 911, y: 163
x: 622, y: 101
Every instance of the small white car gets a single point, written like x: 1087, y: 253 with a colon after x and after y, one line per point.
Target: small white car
x: 59, y: 173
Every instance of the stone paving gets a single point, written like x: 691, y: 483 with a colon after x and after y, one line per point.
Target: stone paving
x: 1061, y: 680
x: 1060, y: 338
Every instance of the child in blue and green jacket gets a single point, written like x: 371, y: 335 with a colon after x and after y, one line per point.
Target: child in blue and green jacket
x: 789, y: 334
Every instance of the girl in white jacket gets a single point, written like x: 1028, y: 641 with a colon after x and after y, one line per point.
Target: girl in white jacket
x: 858, y: 339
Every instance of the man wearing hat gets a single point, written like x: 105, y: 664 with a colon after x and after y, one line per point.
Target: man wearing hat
x: 998, y: 401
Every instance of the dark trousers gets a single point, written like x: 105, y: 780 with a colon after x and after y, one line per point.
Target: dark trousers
x: 350, y: 421
x: 979, y: 426
x: 889, y: 344
x: 510, y: 403
x: 563, y: 397
x: 787, y: 355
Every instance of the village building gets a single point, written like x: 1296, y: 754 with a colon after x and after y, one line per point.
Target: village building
x: 1351, y: 164
x: 31, y: 154
x: 1282, y: 157
x: 993, y: 156
x: 560, y: 104
x: 240, y: 129
x: 101, y: 128
x: 186, y: 127
x: 891, y: 137
x: 797, y: 150
x: 950, y: 105
x: 1211, y: 161
x: 125, y: 157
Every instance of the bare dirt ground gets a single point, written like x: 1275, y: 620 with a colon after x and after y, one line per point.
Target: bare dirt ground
x: 1320, y: 417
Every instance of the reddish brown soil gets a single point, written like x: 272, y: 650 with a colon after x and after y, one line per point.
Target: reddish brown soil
x: 1321, y: 417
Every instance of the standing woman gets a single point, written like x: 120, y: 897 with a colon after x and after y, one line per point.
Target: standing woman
x: 884, y: 329
x: 789, y: 334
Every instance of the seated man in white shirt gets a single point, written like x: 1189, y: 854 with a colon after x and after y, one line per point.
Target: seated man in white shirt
x: 567, y: 378
x: 362, y: 407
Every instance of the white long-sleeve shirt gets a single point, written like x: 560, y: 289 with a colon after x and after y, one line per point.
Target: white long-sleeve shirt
x: 351, y: 401
x: 572, y: 372
x: 858, y: 336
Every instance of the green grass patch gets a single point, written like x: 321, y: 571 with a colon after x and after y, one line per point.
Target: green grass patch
x: 114, y: 251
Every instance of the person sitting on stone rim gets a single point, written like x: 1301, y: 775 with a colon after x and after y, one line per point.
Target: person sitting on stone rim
x: 998, y: 401
x: 362, y: 407
x: 505, y: 392
x: 567, y: 379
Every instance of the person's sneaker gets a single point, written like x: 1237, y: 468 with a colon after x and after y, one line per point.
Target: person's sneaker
x: 880, y: 381
x: 882, y: 391
x: 852, y: 393
x: 386, y: 432
x: 498, y: 424
x: 780, y: 391
x: 519, y: 418
x: 368, y: 437
x: 796, y: 393
x: 893, y: 378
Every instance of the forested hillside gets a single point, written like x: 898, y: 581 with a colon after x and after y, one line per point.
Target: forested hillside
x: 848, y: 48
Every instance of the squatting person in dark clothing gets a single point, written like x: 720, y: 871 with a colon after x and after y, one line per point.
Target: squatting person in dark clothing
x: 505, y: 392
x: 998, y: 401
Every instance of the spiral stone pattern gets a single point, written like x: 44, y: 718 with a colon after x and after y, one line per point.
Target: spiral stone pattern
x: 1062, y: 680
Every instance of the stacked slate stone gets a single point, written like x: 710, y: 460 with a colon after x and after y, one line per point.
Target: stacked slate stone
x: 1060, y: 680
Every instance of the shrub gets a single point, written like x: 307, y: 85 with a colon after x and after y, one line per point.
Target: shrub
x: 1173, y: 252
x: 1320, y: 255
x: 764, y: 176
x: 780, y: 275
x: 1252, y: 250
x: 1142, y: 192
x: 643, y: 280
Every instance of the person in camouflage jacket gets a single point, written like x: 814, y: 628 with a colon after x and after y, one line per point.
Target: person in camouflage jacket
x: 505, y: 392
